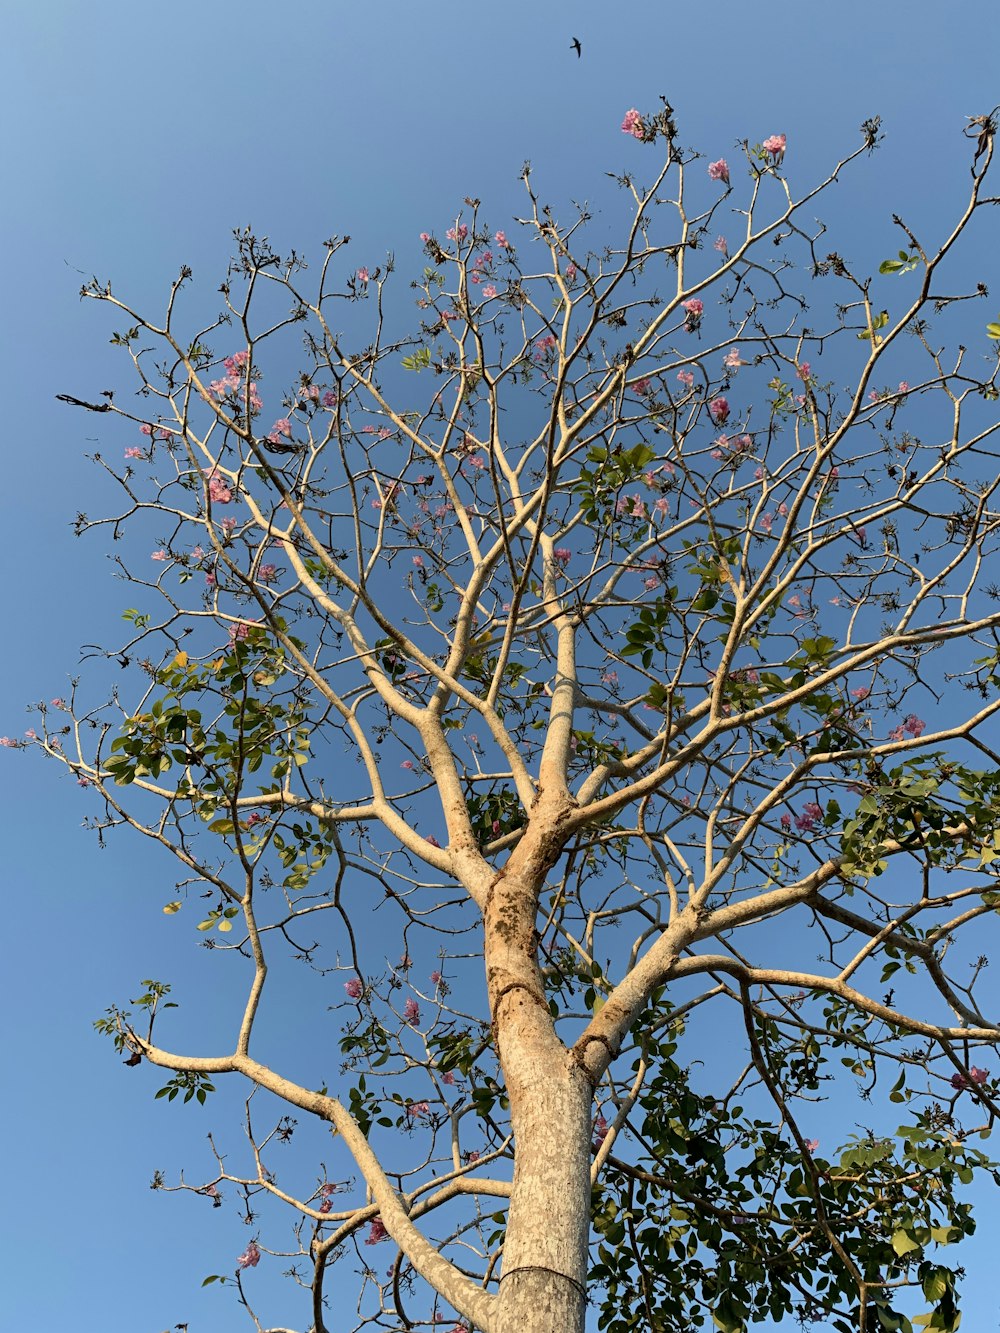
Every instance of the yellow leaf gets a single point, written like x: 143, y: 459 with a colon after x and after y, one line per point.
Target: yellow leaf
x: 181, y: 660
x: 171, y: 908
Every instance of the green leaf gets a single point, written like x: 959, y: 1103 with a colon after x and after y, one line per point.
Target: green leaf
x: 993, y: 331
x: 903, y: 1242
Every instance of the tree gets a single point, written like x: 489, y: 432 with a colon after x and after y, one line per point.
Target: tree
x: 593, y: 630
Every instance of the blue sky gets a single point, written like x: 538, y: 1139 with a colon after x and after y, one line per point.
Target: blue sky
x: 137, y: 138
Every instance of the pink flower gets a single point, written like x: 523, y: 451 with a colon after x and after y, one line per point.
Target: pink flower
x: 329, y: 399
x: 860, y: 692
x: 975, y: 1077
x: 501, y: 240
x: 355, y: 988
x: 411, y: 1012
x: 425, y: 236
x: 250, y: 1257
x: 267, y: 573
x: 134, y: 452
x: 693, y: 306
x: 436, y: 978
x: 803, y: 370
x: 432, y: 840
x: 159, y: 555
x: 489, y: 292
x: 544, y: 345
x: 282, y: 427
x: 363, y: 275
x: 219, y: 491
x: 721, y: 244
x: 775, y: 146
x: 732, y: 359
x: 601, y: 1128
x: 719, y: 171
x: 719, y: 410
x: 562, y: 555
x: 328, y: 1189
x: 458, y: 233
x: 903, y: 387
x: 376, y: 1232
x: 767, y: 522
x: 632, y: 124
x: 641, y: 386
x: 811, y: 1145
x: 811, y: 812
x: 417, y: 1109
x: 448, y: 1077
x: 228, y: 526
x: 686, y: 377
x: 238, y: 631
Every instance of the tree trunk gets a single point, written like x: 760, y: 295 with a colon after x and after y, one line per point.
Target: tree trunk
x: 543, y: 1282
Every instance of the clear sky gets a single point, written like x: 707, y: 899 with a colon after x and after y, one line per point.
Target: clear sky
x: 136, y: 137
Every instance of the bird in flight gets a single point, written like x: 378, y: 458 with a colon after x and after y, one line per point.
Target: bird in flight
x: 575, y: 44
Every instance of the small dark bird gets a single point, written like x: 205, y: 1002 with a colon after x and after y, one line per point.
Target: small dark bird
x: 575, y: 44
x: 78, y: 402
x: 279, y: 447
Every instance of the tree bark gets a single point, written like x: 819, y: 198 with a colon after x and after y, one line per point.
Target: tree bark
x: 543, y: 1282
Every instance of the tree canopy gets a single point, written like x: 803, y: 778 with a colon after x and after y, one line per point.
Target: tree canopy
x: 603, y: 656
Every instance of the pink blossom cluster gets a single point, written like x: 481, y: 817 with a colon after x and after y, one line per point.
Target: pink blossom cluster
x: 811, y: 812
x: 232, y: 382
x: 219, y: 489
x: 355, y: 988
x: 544, y: 346
x: 364, y: 277
x: 775, y: 145
x: 632, y: 124
x: 601, y: 1128
x: 719, y: 171
x: 693, y: 310
x: 911, y: 725
x: 411, y: 1012
x: 732, y: 360
x: 250, y: 1257
x: 975, y: 1078
x: 719, y: 410
x: 281, y: 427
x: 376, y: 1232
x: 458, y: 233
